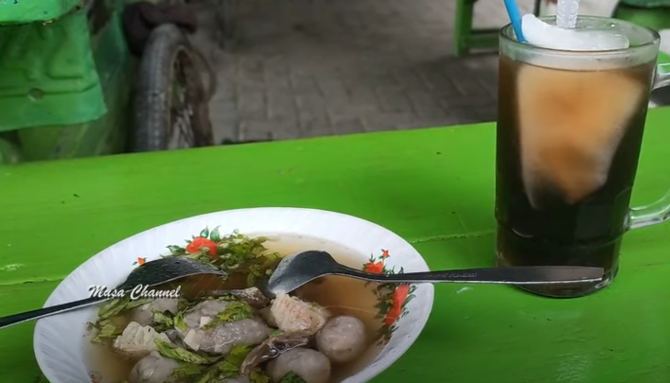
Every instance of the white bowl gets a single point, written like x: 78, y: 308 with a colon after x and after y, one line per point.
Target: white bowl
x: 59, y: 341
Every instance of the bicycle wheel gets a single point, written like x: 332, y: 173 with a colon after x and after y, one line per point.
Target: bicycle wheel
x: 170, y: 102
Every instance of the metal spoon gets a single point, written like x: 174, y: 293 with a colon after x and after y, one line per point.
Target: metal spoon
x: 299, y: 269
x: 151, y: 274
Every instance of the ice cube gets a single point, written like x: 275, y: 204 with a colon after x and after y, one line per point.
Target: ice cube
x: 570, y: 125
x: 538, y: 33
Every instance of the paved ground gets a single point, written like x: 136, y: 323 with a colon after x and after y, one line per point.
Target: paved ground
x: 304, y: 68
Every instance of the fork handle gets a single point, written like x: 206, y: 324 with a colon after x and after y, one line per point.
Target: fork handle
x: 516, y: 275
x: 48, y: 311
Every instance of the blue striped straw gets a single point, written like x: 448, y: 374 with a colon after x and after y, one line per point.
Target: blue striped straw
x: 515, y: 19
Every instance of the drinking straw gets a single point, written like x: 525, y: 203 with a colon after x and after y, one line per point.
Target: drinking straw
x: 566, y: 13
x: 515, y: 19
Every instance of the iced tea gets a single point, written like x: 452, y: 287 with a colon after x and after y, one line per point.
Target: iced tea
x: 568, y: 143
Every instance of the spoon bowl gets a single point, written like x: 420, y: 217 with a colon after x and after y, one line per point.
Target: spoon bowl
x: 150, y: 274
x: 296, y: 270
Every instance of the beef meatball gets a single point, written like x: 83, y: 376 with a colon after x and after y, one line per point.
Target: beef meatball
x: 311, y: 365
x: 342, y: 339
x: 154, y: 368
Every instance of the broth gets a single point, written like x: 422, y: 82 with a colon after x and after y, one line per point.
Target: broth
x: 339, y: 295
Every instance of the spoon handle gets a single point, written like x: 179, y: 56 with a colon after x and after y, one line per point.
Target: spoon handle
x: 516, y: 275
x: 48, y: 311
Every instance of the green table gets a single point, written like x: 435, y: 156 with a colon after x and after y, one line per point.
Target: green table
x: 434, y: 187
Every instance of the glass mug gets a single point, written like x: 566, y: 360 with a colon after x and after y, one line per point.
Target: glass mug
x: 569, y: 135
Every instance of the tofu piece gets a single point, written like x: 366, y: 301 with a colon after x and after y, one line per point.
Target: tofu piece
x: 138, y: 341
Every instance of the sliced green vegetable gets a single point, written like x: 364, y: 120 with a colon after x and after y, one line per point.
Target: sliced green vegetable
x: 258, y: 377
x: 107, y: 330
x: 184, y: 304
x: 161, y: 318
x: 255, y: 272
x: 178, y: 321
x: 186, y: 370
x: 181, y: 354
x: 162, y: 322
x: 119, y: 305
x: 228, y: 298
x: 235, y: 253
x: 137, y: 303
x: 210, y: 375
x: 113, y: 308
x: 291, y: 377
x: 234, y: 360
x: 234, y: 311
x: 227, y: 368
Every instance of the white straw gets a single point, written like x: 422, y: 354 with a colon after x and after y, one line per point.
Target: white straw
x: 566, y: 15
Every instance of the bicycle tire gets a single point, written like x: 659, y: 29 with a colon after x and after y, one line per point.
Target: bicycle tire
x: 166, y: 57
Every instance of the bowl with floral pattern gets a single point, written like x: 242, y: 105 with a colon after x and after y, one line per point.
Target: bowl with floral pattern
x: 334, y: 329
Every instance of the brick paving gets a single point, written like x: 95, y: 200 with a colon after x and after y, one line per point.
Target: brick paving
x: 304, y: 68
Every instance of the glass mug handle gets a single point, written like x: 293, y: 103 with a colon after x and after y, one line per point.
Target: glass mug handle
x: 658, y: 211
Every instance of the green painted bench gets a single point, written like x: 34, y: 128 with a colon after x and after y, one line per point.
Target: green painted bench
x: 654, y: 14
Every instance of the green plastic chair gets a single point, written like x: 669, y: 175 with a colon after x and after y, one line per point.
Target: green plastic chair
x: 466, y: 38
x: 654, y: 14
